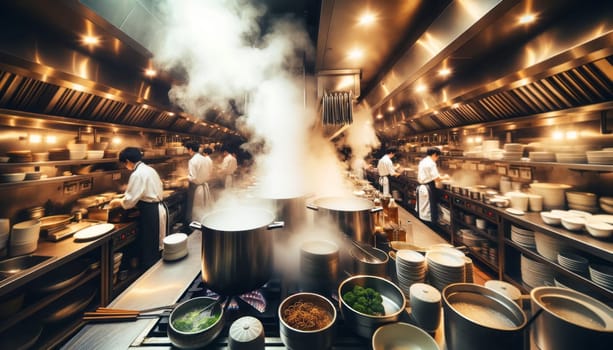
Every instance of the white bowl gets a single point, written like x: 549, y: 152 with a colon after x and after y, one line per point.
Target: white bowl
x: 551, y: 218
x: 81, y: 147
x: 76, y: 155
x: 573, y: 223
x: 12, y: 177
x: 401, y: 335
x: 599, y: 229
x: 95, y: 154
x: 553, y: 194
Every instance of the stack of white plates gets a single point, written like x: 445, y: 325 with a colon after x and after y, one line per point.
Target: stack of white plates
x: 565, y: 282
x: 471, y: 239
x: 506, y: 155
x: 522, y: 237
x: 606, y: 204
x: 542, y: 156
x: 513, y: 147
x: 573, y: 262
x: 24, y: 237
x: 175, y: 246
x: 12, y: 177
x: 600, y: 157
x: 535, y: 274
x: 548, y: 246
x: 577, y: 158
x: 602, y: 275
x: 585, y: 201
x: 410, y: 269
x: 319, y: 265
x: 445, y: 266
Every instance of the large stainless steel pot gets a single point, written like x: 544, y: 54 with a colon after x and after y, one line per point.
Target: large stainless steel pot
x: 237, y: 249
x: 478, y: 318
x: 354, y: 216
x: 570, y: 320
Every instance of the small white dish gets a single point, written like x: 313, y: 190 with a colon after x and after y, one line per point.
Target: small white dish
x: 573, y: 223
x: 515, y: 211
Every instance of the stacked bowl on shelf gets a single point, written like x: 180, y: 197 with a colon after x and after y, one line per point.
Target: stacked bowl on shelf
x: 535, y: 274
x: 77, y: 150
x: 547, y: 246
x: 604, y: 156
x: 512, y: 151
x: 522, y: 237
x: 606, y: 204
x: 585, y: 201
x: 573, y: 262
x: 24, y: 237
x: 602, y: 275
x: 542, y: 156
x: 575, y: 157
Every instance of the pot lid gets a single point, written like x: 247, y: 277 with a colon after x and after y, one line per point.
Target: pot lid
x: 504, y: 288
x: 246, y: 329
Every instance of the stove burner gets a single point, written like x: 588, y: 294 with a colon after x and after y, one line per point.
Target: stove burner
x: 261, y: 304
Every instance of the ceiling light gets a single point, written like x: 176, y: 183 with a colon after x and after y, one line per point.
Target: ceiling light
x: 150, y: 72
x: 390, y: 108
x: 90, y: 40
x: 527, y: 18
x: 366, y: 19
x: 356, y: 54
x: 171, y: 113
x: 444, y: 72
x: 420, y: 88
x: 379, y: 116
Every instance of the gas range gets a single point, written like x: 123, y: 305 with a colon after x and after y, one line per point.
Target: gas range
x: 261, y: 304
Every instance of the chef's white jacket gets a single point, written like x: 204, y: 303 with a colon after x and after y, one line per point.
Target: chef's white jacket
x: 145, y: 185
x: 427, y: 171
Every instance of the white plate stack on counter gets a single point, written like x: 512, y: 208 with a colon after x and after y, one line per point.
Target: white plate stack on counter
x: 24, y: 237
x: 445, y: 266
x: 175, y: 247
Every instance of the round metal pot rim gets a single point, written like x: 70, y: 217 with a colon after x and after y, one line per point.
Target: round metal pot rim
x: 448, y: 291
x: 593, y: 305
x: 265, y: 218
x: 313, y: 295
x: 323, y: 203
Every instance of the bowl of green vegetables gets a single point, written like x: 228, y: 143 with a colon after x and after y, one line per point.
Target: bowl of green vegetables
x: 367, y: 302
x: 195, y: 323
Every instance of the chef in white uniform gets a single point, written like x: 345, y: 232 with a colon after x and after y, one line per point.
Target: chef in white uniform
x: 386, y: 168
x: 427, y: 176
x: 145, y: 191
x: 199, y: 169
x: 228, y: 167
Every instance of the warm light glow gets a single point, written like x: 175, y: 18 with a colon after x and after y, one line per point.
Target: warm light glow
x: 571, y: 135
x: 171, y: 113
x: 420, y: 88
x: 444, y: 72
x: 35, y: 138
x: 356, y: 54
x: 150, y: 72
x: 478, y: 139
x: 379, y: 116
x: 390, y: 108
x: 366, y: 19
x: 145, y: 106
x: 51, y: 139
x: 527, y: 18
x: 90, y: 40
x: 116, y: 140
x: 455, y: 105
x: 470, y: 140
x: 557, y: 135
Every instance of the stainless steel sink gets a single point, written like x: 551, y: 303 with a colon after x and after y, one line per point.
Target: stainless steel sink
x: 16, y: 265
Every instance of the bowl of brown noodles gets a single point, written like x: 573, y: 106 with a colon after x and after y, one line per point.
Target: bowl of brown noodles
x: 307, y: 321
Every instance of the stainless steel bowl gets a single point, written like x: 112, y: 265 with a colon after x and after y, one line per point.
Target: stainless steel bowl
x: 363, y: 324
x: 297, y: 339
x: 373, y: 261
x: 195, y: 340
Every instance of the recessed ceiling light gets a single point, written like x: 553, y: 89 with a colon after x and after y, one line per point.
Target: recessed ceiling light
x: 150, y: 72
x: 366, y: 19
x: 90, y: 40
x: 379, y: 116
x: 390, y: 108
x: 356, y: 54
x: 444, y: 72
x: 527, y: 18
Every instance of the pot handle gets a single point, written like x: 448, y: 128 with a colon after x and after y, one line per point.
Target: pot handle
x: 276, y: 224
x: 312, y: 207
x: 376, y: 209
x: 195, y: 225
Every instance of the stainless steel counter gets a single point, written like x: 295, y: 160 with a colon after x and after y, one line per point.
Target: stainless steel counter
x: 162, y: 284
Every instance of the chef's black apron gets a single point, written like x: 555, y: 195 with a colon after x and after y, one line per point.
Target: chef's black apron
x: 149, y: 233
x: 433, y: 199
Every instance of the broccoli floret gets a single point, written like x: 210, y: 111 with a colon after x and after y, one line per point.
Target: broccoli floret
x: 365, y: 300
